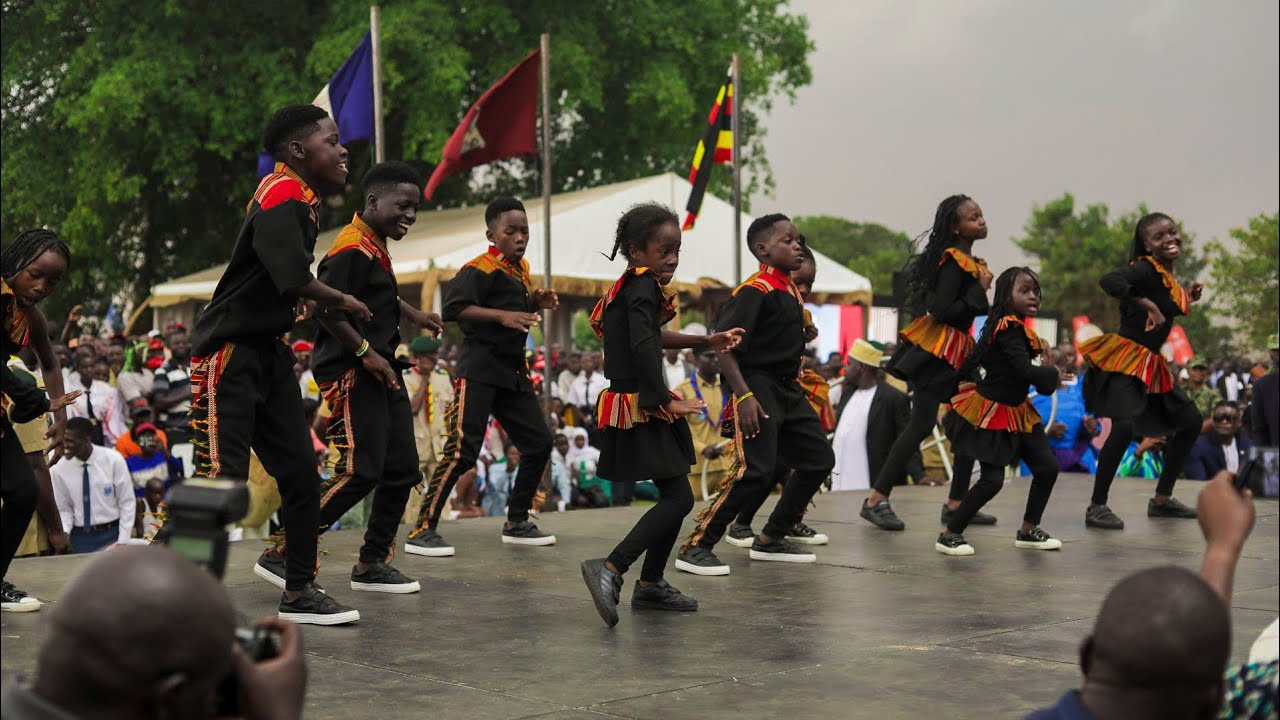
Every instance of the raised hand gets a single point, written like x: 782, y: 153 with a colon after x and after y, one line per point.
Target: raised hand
x: 725, y: 341
x: 1195, y: 291
x: 546, y: 299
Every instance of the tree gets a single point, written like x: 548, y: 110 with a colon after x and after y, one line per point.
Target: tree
x: 142, y: 153
x: 1074, y: 249
x: 870, y: 249
x: 1245, y: 284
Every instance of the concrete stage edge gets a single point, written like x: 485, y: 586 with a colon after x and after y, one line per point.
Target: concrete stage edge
x: 882, y: 626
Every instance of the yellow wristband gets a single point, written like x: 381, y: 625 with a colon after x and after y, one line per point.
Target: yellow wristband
x: 740, y: 398
x: 364, y: 348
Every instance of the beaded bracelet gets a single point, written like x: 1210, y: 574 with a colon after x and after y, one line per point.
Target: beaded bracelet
x: 364, y: 348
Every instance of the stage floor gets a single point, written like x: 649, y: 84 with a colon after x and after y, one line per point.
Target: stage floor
x: 881, y: 627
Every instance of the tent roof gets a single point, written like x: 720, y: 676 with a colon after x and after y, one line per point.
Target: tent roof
x: 582, y: 225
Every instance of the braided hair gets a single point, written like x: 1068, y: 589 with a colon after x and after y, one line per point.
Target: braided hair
x: 27, y: 247
x: 637, y: 226
x: 922, y: 270
x: 1001, y: 306
x: 1139, y: 247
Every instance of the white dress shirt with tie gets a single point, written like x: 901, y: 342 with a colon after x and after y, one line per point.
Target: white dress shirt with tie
x: 110, y: 491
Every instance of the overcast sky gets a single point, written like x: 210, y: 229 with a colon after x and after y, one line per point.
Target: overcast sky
x: 1015, y: 101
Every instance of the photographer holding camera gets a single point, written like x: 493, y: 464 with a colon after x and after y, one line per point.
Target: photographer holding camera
x: 143, y: 632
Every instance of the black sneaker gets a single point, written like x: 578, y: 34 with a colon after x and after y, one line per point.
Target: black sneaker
x: 425, y: 541
x: 950, y: 543
x: 381, y: 577
x: 313, y: 607
x: 1037, y: 539
x: 606, y: 589
x: 14, y: 600
x: 740, y: 535
x: 979, y: 518
x: 780, y: 550
x: 662, y: 595
x: 526, y: 533
x: 1102, y: 518
x: 1170, y: 509
x: 701, y: 561
x: 271, y: 567
x: 882, y: 516
x: 804, y: 535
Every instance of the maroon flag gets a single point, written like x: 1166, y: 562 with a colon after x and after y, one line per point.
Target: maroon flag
x: 501, y: 124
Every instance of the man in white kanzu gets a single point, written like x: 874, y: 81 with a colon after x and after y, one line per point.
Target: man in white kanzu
x: 869, y: 415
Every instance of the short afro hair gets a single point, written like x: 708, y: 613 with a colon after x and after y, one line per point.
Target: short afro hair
x: 499, y: 205
x: 384, y: 176
x: 293, y: 122
x: 760, y: 225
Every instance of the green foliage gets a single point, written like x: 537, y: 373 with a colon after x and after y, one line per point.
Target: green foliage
x: 584, y: 338
x: 1075, y: 248
x: 870, y: 249
x: 133, y: 129
x: 1246, y: 284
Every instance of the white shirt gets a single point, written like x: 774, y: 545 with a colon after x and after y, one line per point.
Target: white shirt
x: 1233, y: 455
x: 675, y: 373
x: 133, y: 385
x: 110, y: 490
x: 564, y: 385
x: 585, y: 392
x: 108, y: 410
x: 853, y: 469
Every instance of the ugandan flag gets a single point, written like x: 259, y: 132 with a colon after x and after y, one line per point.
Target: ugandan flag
x: 718, y: 140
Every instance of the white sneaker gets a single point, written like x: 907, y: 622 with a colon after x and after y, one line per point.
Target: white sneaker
x: 1037, y: 539
x: 14, y: 600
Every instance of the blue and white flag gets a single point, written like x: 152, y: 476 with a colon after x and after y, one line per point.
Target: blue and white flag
x: 347, y: 97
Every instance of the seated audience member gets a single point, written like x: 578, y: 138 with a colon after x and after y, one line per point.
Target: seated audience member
x: 560, y: 470
x: 172, y: 394
x: 144, y: 633
x: 150, y: 505
x: 499, y: 479
x: 141, y: 414
x: 93, y: 490
x: 870, y: 415
x: 1222, y: 448
x: 587, y: 386
x: 136, y: 379
x: 564, y: 381
x: 712, y: 451
x: 1198, y: 389
x: 1070, y: 428
x: 152, y: 461
x: 100, y: 404
x: 1264, y: 411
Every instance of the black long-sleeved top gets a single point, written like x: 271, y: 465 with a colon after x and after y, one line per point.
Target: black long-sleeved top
x: 633, y: 341
x: 1009, y: 369
x: 491, y: 353
x: 1140, y: 279
x: 768, y: 308
x: 358, y: 264
x: 256, y: 299
x: 29, y: 401
x: 958, y: 297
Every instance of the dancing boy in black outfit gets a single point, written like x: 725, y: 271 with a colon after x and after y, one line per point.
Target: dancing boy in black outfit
x: 371, y: 424
x: 774, y: 420
x: 495, y: 304
x: 243, y: 390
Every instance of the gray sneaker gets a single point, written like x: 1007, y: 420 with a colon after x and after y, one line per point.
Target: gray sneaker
x: 701, y: 561
x: 427, y: 542
x: 1102, y: 518
x: 740, y: 536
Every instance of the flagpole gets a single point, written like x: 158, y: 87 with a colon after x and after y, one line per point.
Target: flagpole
x: 375, y: 33
x: 735, y: 108
x: 544, y: 57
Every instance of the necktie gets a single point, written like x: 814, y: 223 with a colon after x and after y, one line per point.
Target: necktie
x: 88, y: 512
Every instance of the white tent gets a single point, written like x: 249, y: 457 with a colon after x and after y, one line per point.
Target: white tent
x: 582, y: 229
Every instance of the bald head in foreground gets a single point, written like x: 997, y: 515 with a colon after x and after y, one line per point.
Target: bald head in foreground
x: 142, y: 632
